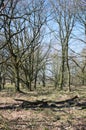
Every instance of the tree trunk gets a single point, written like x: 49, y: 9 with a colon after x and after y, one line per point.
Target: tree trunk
x: 43, y: 75
x: 56, y: 81
x: 35, y: 81
x: 3, y: 82
x: 68, y: 68
x: 61, y: 83
x: 17, y: 81
x: 56, y: 84
x: 43, y: 79
x: 0, y: 81
x: 83, y: 78
x: 30, y: 85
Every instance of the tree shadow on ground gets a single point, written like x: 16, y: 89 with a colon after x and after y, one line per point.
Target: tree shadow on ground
x: 24, y: 104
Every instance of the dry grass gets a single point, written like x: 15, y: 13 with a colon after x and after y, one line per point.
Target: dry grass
x: 43, y: 109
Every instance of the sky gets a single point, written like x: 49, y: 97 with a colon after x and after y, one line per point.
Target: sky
x: 78, y: 33
x: 74, y: 44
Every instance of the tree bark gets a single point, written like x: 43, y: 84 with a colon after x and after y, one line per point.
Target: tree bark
x: 35, y: 82
x: 68, y: 68
x: 61, y: 83
x: 0, y: 81
x: 17, y: 81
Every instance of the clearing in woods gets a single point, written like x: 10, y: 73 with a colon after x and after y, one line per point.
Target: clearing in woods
x: 43, y: 109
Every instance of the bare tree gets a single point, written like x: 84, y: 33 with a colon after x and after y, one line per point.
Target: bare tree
x: 64, y: 16
x: 11, y: 30
x: 30, y: 43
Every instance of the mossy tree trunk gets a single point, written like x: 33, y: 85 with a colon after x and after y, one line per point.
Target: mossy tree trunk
x: 68, y: 68
x: 61, y: 83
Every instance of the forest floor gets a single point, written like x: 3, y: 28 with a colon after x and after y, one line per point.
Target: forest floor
x: 43, y: 109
